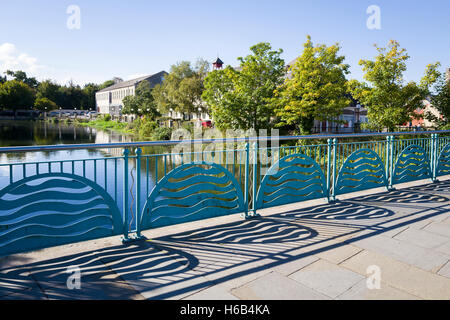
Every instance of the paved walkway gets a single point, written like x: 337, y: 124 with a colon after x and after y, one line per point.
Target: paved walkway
x: 309, y: 250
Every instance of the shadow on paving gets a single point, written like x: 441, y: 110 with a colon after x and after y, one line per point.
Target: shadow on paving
x: 181, y: 264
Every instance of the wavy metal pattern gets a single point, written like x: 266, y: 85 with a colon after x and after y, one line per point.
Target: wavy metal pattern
x: 190, y: 192
x: 362, y: 170
x: 53, y: 209
x: 294, y: 178
x: 443, y: 166
x: 412, y: 164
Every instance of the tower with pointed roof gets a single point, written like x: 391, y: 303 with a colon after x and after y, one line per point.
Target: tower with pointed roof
x: 217, y: 64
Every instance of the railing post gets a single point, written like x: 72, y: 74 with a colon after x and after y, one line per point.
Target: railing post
x: 333, y: 197
x: 391, y: 162
x: 247, y: 160
x: 125, y: 153
x: 329, y: 150
x: 255, y: 177
x: 388, y: 161
x: 138, y: 152
x: 434, y: 156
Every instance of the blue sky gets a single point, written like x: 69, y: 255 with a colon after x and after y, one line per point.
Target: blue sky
x: 133, y: 38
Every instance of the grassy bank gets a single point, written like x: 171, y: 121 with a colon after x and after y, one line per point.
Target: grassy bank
x: 142, y: 129
x: 103, y: 124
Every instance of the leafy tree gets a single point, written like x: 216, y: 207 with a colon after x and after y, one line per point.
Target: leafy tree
x: 88, y: 96
x: 70, y: 97
x: 22, y: 76
x: 441, y: 100
x: 16, y: 95
x: 106, y: 84
x: 48, y: 89
x: 142, y: 103
x: 316, y: 88
x: 389, y: 100
x: 241, y: 98
x: 45, y: 104
x: 182, y: 88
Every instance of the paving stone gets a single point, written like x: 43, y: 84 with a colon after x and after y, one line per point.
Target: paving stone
x: 28, y: 294
x: 339, y: 254
x: 409, y: 253
x: 295, y: 265
x: 174, y: 288
x: 239, y: 275
x: 18, y: 283
x: 216, y: 292
x: 97, y: 281
x: 445, y: 270
x: 327, y: 278
x: 442, y: 228
x: 443, y: 217
x: 402, y: 276
x: 360, y: 291
x: 422, y: 238
x: 445, y: 249
x: 275, y: 286
x: 392, y: 233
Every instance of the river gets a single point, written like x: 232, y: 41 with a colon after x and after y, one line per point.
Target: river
x: 30, y: 133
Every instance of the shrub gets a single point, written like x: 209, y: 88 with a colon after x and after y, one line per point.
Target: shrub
x: 147, y: 128
x: 162, y: 133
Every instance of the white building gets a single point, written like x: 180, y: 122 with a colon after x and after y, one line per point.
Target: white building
x: 110, y: 100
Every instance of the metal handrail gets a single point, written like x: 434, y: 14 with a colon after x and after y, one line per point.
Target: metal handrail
x: 197, y: 141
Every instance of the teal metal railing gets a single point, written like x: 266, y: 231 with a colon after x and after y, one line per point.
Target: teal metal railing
x: 47, y: 203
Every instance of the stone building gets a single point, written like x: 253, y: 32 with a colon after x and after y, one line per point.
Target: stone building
x: 110, y: 100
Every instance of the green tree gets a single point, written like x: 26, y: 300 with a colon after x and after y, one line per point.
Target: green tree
x: 16, y: 95
x: 182, y: 88
x: 389, y: 100
x: 48, y: 89
x: 71, y: 97
x: 142, y: 103
x: 45, y: 104
x: 106, y: 84
x: 242, y: 98
x: 22, y: 76
x: 315, y: 89
x: 440, y: 99
x: 88, y: 96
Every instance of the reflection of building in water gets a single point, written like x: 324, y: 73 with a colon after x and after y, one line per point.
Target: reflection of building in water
x: 111, y: 137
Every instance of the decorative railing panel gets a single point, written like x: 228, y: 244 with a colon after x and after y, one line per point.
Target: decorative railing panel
x: 65, y: 200
x: 363, y: 169
x: 53, y: 209
x: 190, y: 192
x: 443, y: 165
x: 293, y: 178
x: 412, y: 164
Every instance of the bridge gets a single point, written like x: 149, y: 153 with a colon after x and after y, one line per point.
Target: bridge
x: 251, y: 222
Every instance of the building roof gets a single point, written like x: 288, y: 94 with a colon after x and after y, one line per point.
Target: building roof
x: 154, y: 79
x: 218, y: 61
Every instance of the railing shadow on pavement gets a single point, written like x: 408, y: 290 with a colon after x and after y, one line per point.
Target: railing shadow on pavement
x: 180, y: 264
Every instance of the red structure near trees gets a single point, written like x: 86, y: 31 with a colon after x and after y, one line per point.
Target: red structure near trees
x: 217, y: 64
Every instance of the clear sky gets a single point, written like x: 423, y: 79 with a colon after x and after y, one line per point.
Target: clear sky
x: 133, y: 38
